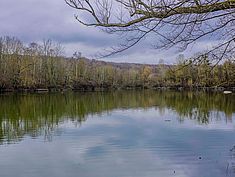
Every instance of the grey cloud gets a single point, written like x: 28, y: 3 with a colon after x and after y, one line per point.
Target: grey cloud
x: 35, y: 20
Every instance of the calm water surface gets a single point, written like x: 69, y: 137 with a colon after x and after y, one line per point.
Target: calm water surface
x: 119, y: 134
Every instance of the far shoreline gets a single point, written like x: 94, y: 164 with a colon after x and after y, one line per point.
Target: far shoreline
x: 104, y: 89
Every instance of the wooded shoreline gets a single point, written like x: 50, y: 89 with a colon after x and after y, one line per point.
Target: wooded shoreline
x: 43, y: 68
x: 99, y: 89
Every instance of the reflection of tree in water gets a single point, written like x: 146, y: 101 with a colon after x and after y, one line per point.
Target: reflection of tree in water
x: 202, y: 116
x: 37, y: 114
x: 201, y: 106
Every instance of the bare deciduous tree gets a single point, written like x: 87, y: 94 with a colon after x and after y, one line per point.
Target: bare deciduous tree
x: 173, y: 22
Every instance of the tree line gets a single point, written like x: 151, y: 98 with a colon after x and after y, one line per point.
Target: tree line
x: 43, y: 66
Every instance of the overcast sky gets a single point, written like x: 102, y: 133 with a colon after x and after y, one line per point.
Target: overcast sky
x: 35, y: 20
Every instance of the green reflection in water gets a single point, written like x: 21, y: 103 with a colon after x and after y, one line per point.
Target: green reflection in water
x: 34, y: 114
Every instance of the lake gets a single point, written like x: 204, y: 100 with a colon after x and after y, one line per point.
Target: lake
x: 117, y: 134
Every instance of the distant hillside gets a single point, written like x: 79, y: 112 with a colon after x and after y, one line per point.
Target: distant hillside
x: 124, y: 65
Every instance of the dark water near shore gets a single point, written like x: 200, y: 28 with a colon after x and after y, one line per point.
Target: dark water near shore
x: 117, y: 134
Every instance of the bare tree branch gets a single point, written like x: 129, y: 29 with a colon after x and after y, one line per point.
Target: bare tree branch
x: 173, y: 22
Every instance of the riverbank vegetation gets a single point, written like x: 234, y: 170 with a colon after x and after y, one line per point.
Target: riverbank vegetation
x: 43, y: 66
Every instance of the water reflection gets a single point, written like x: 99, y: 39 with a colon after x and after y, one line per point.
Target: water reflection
x: 34, y: 114
x: 132, y: 133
